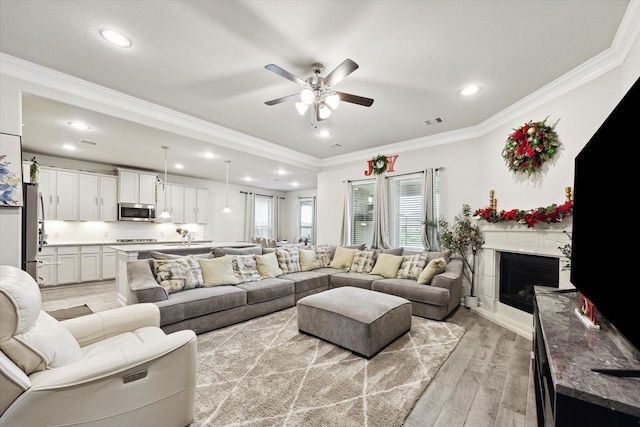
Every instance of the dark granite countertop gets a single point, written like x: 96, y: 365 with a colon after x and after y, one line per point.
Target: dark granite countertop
x: 573, y: 350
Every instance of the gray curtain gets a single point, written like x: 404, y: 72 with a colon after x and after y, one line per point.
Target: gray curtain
x: 274, y: 219
x: 314, y: 233
x: 380, y: 238
x: 249, y: 216
x: 429, y: 235
x: 345, y: 232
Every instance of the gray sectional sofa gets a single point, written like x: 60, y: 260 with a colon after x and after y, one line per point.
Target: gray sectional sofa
x: 204, y: 309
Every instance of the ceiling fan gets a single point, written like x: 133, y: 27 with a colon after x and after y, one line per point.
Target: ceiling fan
x: 318, y: 91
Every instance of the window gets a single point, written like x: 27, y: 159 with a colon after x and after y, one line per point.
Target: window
x: 362, y: 213
x: 306, y: 218
x: 406, y: 196
x: 263, y: 217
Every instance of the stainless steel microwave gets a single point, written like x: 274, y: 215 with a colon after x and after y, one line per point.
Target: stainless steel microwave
x: 136, y: 212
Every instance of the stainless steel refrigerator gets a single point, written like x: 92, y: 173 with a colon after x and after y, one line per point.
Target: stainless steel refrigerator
x: 32, y: 230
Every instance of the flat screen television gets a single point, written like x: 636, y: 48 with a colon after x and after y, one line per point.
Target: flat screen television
x: 603, y: 257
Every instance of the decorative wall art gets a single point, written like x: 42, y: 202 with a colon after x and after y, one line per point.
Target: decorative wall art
x: 380, y: 164
x: 10, y: 170
x: 529, y: 147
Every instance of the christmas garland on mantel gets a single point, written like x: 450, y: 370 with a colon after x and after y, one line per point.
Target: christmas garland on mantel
x: 550, y: 214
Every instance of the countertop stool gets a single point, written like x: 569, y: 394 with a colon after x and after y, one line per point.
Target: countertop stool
x: 359, y: 320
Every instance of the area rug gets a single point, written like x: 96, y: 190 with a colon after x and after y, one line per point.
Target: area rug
x: 71, y: 312
x: 265, y: 373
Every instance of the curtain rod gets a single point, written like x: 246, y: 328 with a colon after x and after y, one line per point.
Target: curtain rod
x: 263, y: 195
x: 441, y: 168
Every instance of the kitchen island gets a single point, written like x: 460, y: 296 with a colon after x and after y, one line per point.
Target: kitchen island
x: 130, y: 252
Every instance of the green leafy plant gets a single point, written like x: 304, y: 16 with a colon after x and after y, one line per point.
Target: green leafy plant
x: 464, y: 238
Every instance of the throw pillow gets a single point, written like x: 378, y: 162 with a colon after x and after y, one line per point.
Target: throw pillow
x: 245, y: 268
x: 387, y: 265
x: 435, y: 266
x: 308, y: 260
x: 363, y: 261
x: 323, y: 255
x: 412, y: 266
x: 268, y: 265
x: 288, y: 259
x: 176, y: 275
x: 342, y: 258
x: 393, y: 251
x: 435, y: 255
x: 217, y: 272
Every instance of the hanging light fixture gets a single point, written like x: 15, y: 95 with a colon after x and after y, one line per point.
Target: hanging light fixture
x: 226, y: 208
x: 165, y: 214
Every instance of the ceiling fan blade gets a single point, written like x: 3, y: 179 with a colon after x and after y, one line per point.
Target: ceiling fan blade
x: 355, y: 99
x: 284, y: 73
x: 343, y: 70
x: 294, y: 97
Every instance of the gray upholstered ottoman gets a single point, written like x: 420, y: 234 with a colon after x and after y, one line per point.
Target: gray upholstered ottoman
x: 360, y: 320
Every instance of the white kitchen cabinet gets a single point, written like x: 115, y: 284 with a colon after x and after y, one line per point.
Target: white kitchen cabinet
x: 47, y: 268
x: 59, y: 190
x: 97, y: 198
x: 108, y: 263
x: 201, y: 205
x: 136, y: 187
x: 189, y: 206
x: 90, y: 261
x: 68, y: 261
x: 171, y: 198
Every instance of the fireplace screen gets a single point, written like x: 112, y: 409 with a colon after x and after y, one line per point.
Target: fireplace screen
x: 520, y: 272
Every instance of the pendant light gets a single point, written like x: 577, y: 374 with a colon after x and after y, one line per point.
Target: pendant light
x: 226, y: 208
x: 165, y: 214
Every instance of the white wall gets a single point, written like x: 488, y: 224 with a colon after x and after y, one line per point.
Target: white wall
x: 475, y: 166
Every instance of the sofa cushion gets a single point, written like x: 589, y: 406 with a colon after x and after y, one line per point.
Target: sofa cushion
x: 431, y: 255
x: 308, y: 260
x: 387, y: 265
x: 363, y: 261
x: 218, y: 271
x: 288, y: 259
x: 357, y: 280
x: 199, y: 302
x: 176, y: 275
x: 343, y: 258
x: 268, y: 265
x: 393, y: 251
x: 307, y: 280
x: 435, y: 266
x: 251, y: 250
x: 267, y: 289
x: 412, y: 266
x: 163, y: 255
x: 411, y: 290
x: 245, y: 268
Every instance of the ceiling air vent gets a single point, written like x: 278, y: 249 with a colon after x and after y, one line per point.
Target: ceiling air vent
x: 434, y: 121
x: 84, y: 141
x: 335, y: 145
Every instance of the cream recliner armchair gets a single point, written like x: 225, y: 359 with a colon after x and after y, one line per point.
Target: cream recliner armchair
x: 111, y: 368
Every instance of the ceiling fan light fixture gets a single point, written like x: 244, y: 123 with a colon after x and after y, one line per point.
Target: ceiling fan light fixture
x: 324, y: 112
x: 332, y: 100
x: 307, y: 96
x: 302, y: 107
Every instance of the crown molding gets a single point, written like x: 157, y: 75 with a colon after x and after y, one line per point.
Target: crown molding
x: 50, y: 83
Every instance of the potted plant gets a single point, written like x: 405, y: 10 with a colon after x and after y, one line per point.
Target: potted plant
x: 464, y: 239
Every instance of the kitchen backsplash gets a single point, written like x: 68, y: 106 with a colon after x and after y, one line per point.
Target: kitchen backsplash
x: 63, y: 232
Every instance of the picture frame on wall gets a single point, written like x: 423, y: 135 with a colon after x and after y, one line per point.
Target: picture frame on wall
x: 10, y: 170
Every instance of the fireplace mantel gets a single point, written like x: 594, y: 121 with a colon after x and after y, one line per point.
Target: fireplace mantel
x: 543, y: 239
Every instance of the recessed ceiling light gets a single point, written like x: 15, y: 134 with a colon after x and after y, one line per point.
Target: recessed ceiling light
x: 79, y: 125
x: 469, y: 90
x: 294, y: 183
x: 281, y: 172
x: 324, y: 133
x: 248, y: 178
x: 116, y: 38
x: 69, y: 147
x: 179, y: 166
x: 207, y: 155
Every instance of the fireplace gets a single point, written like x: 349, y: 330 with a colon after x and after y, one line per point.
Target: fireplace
x: 520, y: 272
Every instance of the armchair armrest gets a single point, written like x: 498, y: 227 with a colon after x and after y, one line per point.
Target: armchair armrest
x: 104, y: 324
x: 142, y: 283
x: 451, y: 276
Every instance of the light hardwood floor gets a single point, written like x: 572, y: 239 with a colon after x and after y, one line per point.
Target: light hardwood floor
x: 487, y: 380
